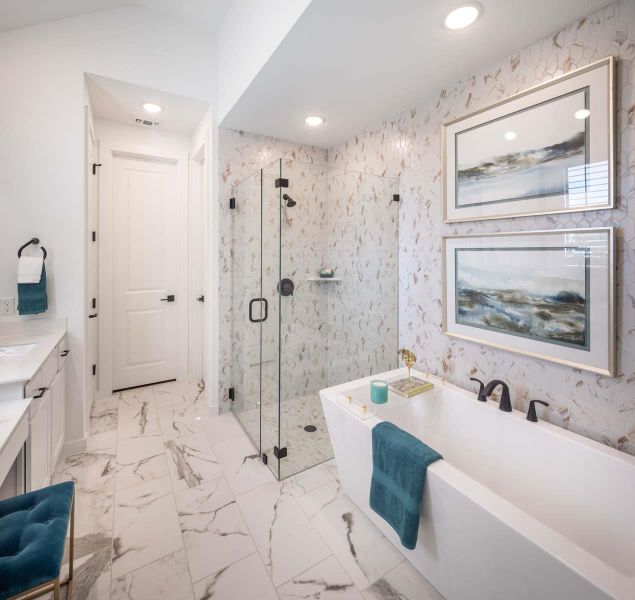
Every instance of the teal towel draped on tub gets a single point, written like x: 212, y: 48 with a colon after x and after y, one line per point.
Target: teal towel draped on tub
x: 400, y: 461
x: 32, y: 297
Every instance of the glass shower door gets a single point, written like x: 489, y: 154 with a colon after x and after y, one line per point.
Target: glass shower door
x: 246, y: 308
x: 270, y: 349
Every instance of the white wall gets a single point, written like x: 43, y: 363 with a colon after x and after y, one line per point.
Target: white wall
x: 250, y: 33
x: 42, y: 140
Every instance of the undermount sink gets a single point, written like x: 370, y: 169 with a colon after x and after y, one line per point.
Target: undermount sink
x: 16, y: 351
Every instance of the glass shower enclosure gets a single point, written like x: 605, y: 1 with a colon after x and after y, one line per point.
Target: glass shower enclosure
x: 294, y: 332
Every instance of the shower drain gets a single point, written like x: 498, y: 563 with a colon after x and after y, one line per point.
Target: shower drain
x: 310, y: 428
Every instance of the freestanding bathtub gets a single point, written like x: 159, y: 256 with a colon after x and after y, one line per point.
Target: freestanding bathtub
x: 516, y: 510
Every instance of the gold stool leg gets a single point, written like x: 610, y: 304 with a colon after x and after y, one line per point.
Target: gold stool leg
x: 56, y: 589
x: 71, y: 552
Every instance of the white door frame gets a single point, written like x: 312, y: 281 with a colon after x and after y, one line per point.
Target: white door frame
x: 106, y: 182
x: 198, y: 259
x: 91, y: 194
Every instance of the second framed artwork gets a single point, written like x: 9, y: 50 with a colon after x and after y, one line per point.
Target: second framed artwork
x: 549, y: 149
x: 547, y: 294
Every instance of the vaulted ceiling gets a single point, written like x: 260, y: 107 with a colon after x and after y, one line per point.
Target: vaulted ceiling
x: 205, y: 15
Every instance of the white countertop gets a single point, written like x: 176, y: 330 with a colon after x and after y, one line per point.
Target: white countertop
x: 11, y: 412
x: 22, y: 368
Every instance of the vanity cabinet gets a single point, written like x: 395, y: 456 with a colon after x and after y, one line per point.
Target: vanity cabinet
x: 39, y: 455
x: 47, y: 416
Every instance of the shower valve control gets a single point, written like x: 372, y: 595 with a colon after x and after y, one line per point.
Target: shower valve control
x: 286, y: 287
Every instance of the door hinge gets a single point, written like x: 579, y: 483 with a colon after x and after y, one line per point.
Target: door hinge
x: 94, y: 369
x: 232, y: 203
x: 94, y: 302
x: 282, y: 183
x: 264, y: 458
x: 396, y: 198
x: 93, y: 236
x: 279, y: 452
x: 95, y: 165
x: 230, y: 394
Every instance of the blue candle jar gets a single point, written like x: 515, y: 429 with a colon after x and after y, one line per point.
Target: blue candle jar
x: 378, y: 392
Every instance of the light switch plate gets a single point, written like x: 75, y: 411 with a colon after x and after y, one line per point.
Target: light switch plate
x: 7, y: 306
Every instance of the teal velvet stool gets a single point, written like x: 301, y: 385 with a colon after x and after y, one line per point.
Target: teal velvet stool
x: 33, y: 530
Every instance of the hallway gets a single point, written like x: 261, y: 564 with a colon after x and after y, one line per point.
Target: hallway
x: 174, y: 504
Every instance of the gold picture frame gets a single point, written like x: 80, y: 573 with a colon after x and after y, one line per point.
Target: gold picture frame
x: 606, y: 363
x: 599, y: 148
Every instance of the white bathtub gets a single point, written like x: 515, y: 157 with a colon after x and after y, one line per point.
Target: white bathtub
x: 517, y: 510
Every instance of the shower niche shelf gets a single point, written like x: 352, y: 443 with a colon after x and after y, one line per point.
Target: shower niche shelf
x: 324, y: 279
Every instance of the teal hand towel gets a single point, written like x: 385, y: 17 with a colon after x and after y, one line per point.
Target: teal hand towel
x: 32, y: 297
x: 400, y: 462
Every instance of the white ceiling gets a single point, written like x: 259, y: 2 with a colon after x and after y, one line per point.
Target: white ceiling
x: 121, y: 101
x: 205, y: 15
x: 357, y: 62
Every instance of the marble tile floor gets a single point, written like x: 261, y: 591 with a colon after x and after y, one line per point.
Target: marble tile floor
x: 305, y: 449
x: 174, y: 504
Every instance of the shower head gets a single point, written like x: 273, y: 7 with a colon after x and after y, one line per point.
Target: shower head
x: 290, y: 201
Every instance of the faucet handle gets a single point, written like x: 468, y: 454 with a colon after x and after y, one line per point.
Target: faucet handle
x: 481, y: 393
x: 531, y: 413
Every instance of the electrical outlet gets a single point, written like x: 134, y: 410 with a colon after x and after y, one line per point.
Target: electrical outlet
x: 7, y: 306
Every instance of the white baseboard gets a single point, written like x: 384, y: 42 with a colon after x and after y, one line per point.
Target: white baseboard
x: 73, y: 447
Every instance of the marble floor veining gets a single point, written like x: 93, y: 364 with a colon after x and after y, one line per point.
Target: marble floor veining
x: 175, y: 504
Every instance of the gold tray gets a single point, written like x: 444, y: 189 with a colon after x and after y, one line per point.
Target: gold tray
x: 409, y: 387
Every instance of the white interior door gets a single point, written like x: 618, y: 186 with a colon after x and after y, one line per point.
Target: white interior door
x: 145, y: 202
x: 92, y: 266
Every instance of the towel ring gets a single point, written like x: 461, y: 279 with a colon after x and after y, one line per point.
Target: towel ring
x: 32, y: 241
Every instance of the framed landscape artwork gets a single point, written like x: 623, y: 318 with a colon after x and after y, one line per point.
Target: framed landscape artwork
x: 548, y: 149
x: 548, y: 294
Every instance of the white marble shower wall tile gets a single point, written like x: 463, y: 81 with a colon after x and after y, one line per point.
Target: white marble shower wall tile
x: 287, y: 541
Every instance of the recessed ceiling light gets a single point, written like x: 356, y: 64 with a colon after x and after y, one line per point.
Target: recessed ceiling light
x: 151, y: 107
x: 510, y: 135
x: 314, y: 121
x: 462, y: 16
x: 583, y: 113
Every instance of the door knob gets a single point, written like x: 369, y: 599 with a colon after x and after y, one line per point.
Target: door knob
x: 201, y: 298
x: 93, y: 316
x: 168, y: 298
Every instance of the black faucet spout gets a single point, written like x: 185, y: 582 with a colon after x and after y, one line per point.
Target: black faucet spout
x: 505, y: 401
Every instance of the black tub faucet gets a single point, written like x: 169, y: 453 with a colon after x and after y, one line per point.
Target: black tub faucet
x: 505, y: 403
x: 481, y: 395
x: 531, y: 413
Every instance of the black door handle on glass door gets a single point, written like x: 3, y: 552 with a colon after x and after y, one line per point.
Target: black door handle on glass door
x: 251, y: 309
